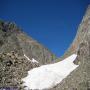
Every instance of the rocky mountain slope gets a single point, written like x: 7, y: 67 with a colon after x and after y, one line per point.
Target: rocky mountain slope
x: 17, y: 50
x: 13, y: 39
x: 79, y: 79
x: 18, y: 53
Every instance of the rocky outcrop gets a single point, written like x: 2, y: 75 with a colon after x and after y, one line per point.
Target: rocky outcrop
x: 79, y: 79
x: 13, y: 67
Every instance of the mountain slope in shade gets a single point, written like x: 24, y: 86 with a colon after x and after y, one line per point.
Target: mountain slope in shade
x: 15, y: 47
x: 79, y: 79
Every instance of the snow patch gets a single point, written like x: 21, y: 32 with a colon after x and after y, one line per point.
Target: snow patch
x: 33, y: 60
x: 27, y: 57
x: 48, y: 76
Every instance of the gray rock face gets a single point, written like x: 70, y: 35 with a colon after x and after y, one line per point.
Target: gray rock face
x: 79, y: 79
x: 14, y: 43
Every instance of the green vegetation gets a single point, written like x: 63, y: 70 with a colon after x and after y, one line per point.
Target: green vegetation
x: 1, y: 42
x: 1, y: 59
x: 1, y: 22
x: 12, y: 26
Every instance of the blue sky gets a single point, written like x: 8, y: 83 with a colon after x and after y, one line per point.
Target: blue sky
x: 53, y: 23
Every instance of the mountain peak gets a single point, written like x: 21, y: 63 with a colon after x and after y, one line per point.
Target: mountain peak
x: 87, y: 14
x: 88, y: 8
x: 8, y: 26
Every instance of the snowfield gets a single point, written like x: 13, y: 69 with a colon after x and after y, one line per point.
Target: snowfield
x: 47, y: 76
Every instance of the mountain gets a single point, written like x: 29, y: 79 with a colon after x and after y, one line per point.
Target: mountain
x: 72, y: 72
x: 79, y: 79
x: 18, y: 54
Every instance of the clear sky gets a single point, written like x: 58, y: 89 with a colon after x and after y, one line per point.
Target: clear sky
x: 53, y: 23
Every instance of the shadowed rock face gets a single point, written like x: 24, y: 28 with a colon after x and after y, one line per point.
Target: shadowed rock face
x: 79, y: 79
x: 14, y: 43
